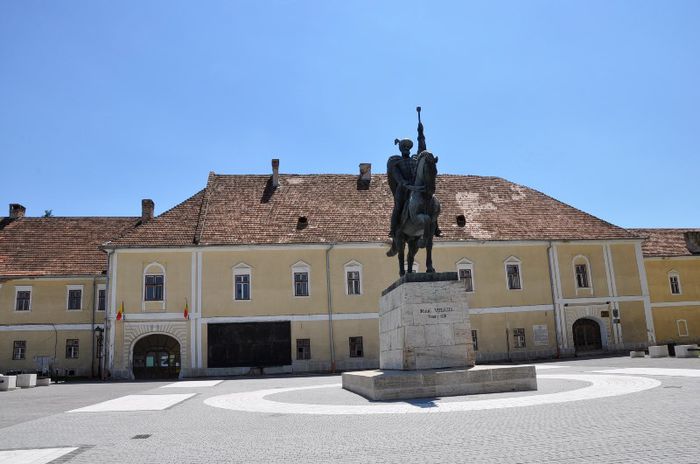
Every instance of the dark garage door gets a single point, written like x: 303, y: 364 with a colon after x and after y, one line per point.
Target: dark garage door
x: 249, y: 344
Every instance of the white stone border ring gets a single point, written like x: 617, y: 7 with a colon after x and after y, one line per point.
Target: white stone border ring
x: 601, y: 386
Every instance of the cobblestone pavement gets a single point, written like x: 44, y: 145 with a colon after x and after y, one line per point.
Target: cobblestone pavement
x: 658, y: 425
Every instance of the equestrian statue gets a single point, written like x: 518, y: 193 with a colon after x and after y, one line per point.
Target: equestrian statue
x: 414, y: 219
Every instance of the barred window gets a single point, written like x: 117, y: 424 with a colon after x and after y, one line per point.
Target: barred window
x: 519, y: 338
x: 301, y: 284
x: 75, y: 299
x: 303, y: 348
x: 72, y: 348
x: 23, y: 300
x: 353, y: 278
x: 356, y: 350
x: 153, y: 287
x: 582, y: 276
x: 19, y: 350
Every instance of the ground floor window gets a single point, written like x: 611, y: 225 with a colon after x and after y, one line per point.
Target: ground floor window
x: 519, y: 338
x: 303, y: 348
x: 356, y: 350
x: 72, y: 348
x: 475, y: 340
x: 19, y: 350
x: 682, y: 327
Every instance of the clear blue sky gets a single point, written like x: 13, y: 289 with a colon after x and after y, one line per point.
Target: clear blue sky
x: 595, y: 103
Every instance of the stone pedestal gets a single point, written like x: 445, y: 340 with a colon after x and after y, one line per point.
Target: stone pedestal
x: 637, y: 354
x: 8, y: 382
x: 426, y: 346
x: 424, y: 323
x: 687, y: 351
x: 658, y: 351
x: 26, y: 381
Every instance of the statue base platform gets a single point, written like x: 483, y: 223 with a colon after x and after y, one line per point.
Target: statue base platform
x: 387, y: 385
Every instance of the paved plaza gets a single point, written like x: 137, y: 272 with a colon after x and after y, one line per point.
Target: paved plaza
x: 611, y: 410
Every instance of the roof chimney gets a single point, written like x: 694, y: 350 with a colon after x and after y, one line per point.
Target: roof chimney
x: 147, y: 208
x: 275, y: 173
x: 17, y: 211
x: 365, y: 176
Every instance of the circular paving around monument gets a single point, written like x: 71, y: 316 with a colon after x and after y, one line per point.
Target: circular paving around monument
x: 599, y: 386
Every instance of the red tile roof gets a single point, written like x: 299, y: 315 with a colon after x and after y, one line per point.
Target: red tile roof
x: 32, y: 246
x: 664, y: 242
x: 245, y: 209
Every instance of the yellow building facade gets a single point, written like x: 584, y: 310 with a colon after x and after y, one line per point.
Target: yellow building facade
x: 283, y: 274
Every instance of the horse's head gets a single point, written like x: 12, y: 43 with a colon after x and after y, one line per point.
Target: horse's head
x: 426, y: 170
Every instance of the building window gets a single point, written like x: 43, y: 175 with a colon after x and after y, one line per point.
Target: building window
x: 153, y: 287
x: 243, y: 287
x: 519, y: 338
x: 475, y: 340
x: 513, y: 274
x: 303, y: 348
x: 300, y: 279
x: 101, y: 299
x: 682, y: 327
x: 19, y: 350
x: 465, y: 273
x: 23, y: 299
x: 674, y: 281
x: 353, y: 278
x: 75, y: 299
x: 72, y: 348
x: 356, y: 350
x: 582, y: 276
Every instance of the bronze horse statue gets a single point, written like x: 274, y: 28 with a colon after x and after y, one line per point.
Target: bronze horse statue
x: 419, y: 218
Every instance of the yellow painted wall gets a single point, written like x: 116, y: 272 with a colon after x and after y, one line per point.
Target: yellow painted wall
x: 633, y: 322
x: 597, y: 275
x: 47, y: 343
x: 626, y: 270
x: 666, y: 324
x: 178, y: 278
x: 49, y: 302
x: 658, y: 281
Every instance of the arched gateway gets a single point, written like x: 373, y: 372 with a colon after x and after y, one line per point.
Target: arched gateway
x: 587, y: 335
x: 156, y: 357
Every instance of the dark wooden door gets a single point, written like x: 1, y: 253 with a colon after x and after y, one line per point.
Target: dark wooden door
x: 587, y: 335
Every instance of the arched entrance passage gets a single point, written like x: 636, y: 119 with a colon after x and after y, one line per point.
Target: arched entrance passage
x: 587, y: 335
x: 157, y: 357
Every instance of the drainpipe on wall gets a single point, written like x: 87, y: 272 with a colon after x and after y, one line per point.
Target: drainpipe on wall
x: 108, y: 326
x: 330, y: 305
x: 92, y: 327
x: 554, y: 296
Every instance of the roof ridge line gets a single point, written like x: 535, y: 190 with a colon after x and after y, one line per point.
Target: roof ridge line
x: 201, y: 219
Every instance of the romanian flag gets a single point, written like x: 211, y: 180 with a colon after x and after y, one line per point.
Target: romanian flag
x: 120, y: 313
x: 187, y: 311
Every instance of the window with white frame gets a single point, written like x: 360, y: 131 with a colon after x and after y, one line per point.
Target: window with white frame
x: 513, y: 274
x: 582, y: 272
x: 519, y: 338
x: 674, y: 281
x: 23, y: 298
x: 74, y: 301
x: 353, y: 278
x: 682, y: 327
x: 300, y: 279
x: 72, y: 348
x: 101, y: 297
x: 465, y: 273
x: 242, y: 282
x: 19, y: 350
x: 154, y: 282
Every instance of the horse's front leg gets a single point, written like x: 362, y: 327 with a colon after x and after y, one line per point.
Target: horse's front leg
x: 429, y: 250
x: 400, y: 247
x: 412, y: 250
